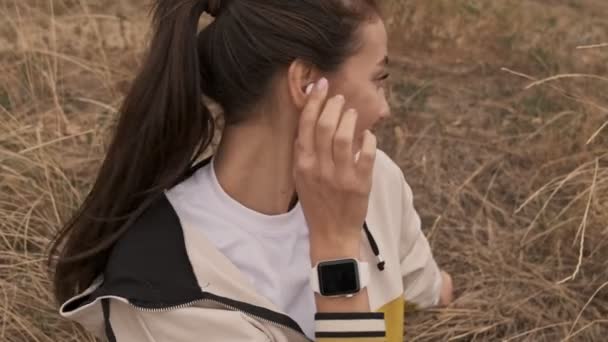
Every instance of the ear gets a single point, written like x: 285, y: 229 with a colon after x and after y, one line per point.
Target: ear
x: 299, y: 76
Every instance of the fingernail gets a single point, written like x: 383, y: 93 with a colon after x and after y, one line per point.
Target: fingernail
x: 322, y: 84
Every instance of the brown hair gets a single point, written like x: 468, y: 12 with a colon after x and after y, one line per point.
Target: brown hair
x: 164, y: 126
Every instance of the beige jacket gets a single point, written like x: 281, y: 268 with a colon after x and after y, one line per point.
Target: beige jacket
x: 166, y: 282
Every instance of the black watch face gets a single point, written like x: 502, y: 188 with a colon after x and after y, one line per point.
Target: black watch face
x: 338, y: 278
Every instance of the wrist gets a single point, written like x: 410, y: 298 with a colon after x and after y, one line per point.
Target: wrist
x: 324, y: 248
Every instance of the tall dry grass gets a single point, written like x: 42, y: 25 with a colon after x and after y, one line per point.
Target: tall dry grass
x: 509, y: 166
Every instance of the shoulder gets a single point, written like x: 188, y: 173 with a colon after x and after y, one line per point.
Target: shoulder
x: 388, y: 176
x: 384, y: 165
x: 149, y: 262
x: 188, y: 189
x: 390, y: 186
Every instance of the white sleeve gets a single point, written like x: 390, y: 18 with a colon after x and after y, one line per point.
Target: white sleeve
x: 419, y: 271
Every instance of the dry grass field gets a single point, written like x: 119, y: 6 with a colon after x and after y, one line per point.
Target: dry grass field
x: 500, y: 123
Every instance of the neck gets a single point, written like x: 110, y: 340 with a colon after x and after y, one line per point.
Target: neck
x: 254, y: 164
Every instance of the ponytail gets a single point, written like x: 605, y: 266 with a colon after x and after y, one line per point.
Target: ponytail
x: 163, y: 127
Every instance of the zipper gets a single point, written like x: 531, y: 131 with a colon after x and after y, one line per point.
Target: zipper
x: 203, y: 300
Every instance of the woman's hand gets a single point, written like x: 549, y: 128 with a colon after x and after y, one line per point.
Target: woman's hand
x: 446, y: 295
x: 333, y: 187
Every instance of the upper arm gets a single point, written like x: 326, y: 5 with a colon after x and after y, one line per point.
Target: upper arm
x: 420, y: 273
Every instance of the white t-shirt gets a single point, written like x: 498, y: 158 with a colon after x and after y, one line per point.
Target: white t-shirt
x: 271, y: 251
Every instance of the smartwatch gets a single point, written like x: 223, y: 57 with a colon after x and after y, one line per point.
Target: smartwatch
x: 339, y: 278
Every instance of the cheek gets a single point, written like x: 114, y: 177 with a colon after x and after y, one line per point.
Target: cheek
x: 363, y: 95
x: 369, y: 102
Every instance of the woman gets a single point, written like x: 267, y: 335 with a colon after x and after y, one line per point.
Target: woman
x: 296, y: 228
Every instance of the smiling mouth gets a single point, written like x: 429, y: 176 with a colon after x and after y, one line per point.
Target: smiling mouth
x: 375, y: 126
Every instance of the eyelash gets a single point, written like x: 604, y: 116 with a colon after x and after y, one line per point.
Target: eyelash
x: 381, y: 80
x: 384, y: 77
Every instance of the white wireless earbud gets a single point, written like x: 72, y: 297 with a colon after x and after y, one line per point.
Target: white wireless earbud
x: 309, y: 88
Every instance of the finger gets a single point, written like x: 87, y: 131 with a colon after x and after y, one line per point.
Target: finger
x: 309, y: 117
x: 343, y: 142
x: 326, y: 129
x: 367, y: 155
